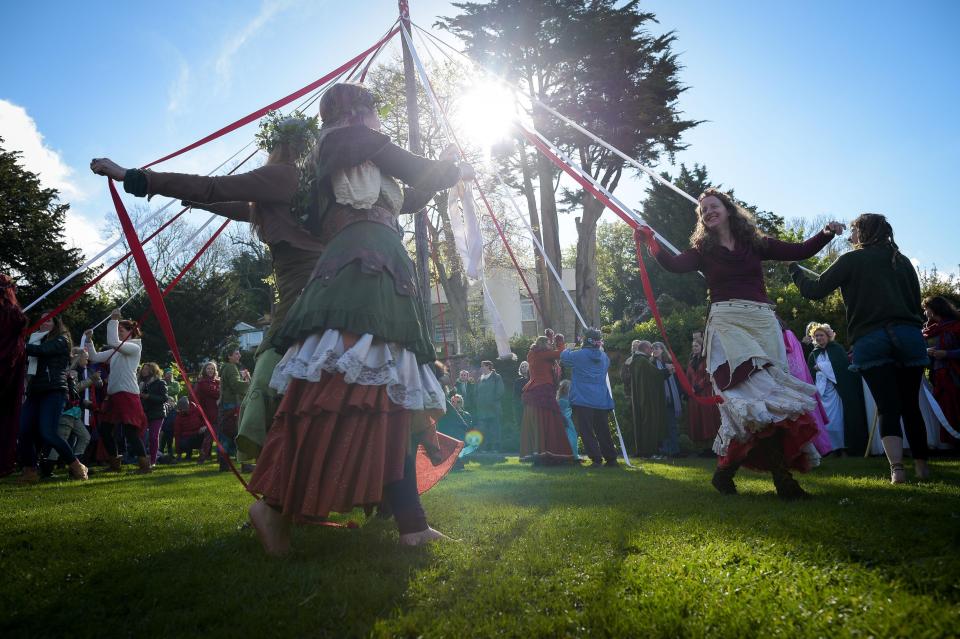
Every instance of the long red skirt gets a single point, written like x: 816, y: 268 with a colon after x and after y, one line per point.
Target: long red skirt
x: 543, y: 436
x: 333, y: 446
x: 796, y: 434
x: 704, y: 421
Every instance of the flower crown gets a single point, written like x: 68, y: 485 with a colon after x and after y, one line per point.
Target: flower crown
x: 296, y: 129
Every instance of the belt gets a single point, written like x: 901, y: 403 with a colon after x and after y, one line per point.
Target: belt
x: 342, y: 217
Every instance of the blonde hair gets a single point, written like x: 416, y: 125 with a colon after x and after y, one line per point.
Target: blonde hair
x: 743, y: 225
x: 829, y: 332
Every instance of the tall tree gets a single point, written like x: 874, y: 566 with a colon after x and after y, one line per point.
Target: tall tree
x: 33, y: 249
x: 598, y: 64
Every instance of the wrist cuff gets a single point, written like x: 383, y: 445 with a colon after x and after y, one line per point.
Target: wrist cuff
x: 135, y: 182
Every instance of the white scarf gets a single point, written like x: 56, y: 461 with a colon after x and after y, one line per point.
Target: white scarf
x: 32, y: 362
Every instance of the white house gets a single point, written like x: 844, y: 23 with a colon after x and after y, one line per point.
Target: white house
x: 250, y: 337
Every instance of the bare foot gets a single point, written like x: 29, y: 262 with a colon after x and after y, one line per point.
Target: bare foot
x: 272, y: 528
x: 423, y: 537
x: 921, y: 469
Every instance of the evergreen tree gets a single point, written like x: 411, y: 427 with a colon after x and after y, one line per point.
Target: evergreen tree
x: 33, y: 249
x: 597, y: 63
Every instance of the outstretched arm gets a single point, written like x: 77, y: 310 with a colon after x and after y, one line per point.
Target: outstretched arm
x: 828, y: 281
x: 774, y: 249
x: 270, y: 183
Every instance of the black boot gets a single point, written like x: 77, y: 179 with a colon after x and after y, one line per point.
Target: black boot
x: 723, y: 479
x: 787, y: 487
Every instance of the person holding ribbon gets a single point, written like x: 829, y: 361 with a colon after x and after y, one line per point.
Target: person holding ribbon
x: 122, y: 408
x: 590, y: 397
x: 764, y: 421
x: 543, y: 437
x: 881, y: 291
x: 263, y: 198
x: 359, y: 394
x: 48, y: 356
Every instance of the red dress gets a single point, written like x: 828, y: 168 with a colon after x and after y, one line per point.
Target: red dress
x: 704, y: 421
x: 945, y: 373
x: 208, y: 394
x: 543, y: 435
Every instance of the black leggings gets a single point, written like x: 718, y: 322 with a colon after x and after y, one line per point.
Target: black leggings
x: 897, y: 393
x: 403, y: 500
x: 132, y: 435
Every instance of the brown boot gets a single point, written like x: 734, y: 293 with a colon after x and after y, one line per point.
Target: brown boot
x: 78, y: 470
x: 114, y: 464
x: 28, y: 476
x: 145, y: 467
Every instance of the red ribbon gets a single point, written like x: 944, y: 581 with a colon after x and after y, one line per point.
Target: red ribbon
x: 256, y: 115
x: 83, y: 289
x: 644, y: 278
x: 160, y: 310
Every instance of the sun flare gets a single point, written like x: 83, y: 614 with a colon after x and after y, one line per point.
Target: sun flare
x: 485, y: 113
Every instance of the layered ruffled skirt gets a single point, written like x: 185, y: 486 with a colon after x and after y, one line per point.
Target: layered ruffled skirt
x: 743, y: 334
x: 359, y: 395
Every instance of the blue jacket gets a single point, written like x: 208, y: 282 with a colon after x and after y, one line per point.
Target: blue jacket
x: 589, y: 384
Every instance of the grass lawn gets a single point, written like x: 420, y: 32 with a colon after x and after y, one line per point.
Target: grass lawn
x: 544, y: 553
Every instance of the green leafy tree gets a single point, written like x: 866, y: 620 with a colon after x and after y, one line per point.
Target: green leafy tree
x: 598, y: 63
x: 33, y: 248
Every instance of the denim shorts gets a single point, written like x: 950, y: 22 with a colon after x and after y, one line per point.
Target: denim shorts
x: 893, y: 344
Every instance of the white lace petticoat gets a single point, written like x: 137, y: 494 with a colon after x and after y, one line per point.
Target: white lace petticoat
x: 770, y: 394
x: 368, y: 363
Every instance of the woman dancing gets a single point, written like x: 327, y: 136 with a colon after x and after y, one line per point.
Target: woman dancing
x: 543, y: 438
x: 122, y: 407
x: 881, y: 291
x: 764, y: 421
x: 261, y: 197
x: 356, y: 380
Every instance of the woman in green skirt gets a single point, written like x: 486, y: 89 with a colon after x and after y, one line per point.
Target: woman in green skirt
x: 359, y: 395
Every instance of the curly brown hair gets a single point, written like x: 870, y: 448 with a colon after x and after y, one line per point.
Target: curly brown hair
x: 743, y: 225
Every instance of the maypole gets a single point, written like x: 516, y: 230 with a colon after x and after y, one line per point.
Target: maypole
x: 416, y: 147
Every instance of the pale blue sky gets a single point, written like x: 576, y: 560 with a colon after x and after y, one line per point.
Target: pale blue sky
x: 814, y: 107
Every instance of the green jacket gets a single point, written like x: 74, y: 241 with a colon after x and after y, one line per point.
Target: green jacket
x: 489, y: 393
x: 173, y: 389
x: 232, y: 386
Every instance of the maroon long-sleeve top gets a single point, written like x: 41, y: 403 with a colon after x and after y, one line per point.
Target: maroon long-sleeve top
x: 738, y: 274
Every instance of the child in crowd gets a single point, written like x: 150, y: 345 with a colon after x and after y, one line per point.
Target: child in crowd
x: 189, y: 430
x: 563, y: 399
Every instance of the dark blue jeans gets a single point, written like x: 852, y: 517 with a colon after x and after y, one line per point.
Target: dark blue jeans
x: 40, y: 421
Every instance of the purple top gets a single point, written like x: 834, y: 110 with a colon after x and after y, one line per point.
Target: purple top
x: 738, y: 274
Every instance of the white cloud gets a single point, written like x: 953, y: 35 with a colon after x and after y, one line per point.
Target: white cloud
x: 224, y: 63
x: 20, y: 133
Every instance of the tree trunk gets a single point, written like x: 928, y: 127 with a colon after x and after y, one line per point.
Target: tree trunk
x: 551, y: 235
x: 544, y: 283
x: 588, y: 294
